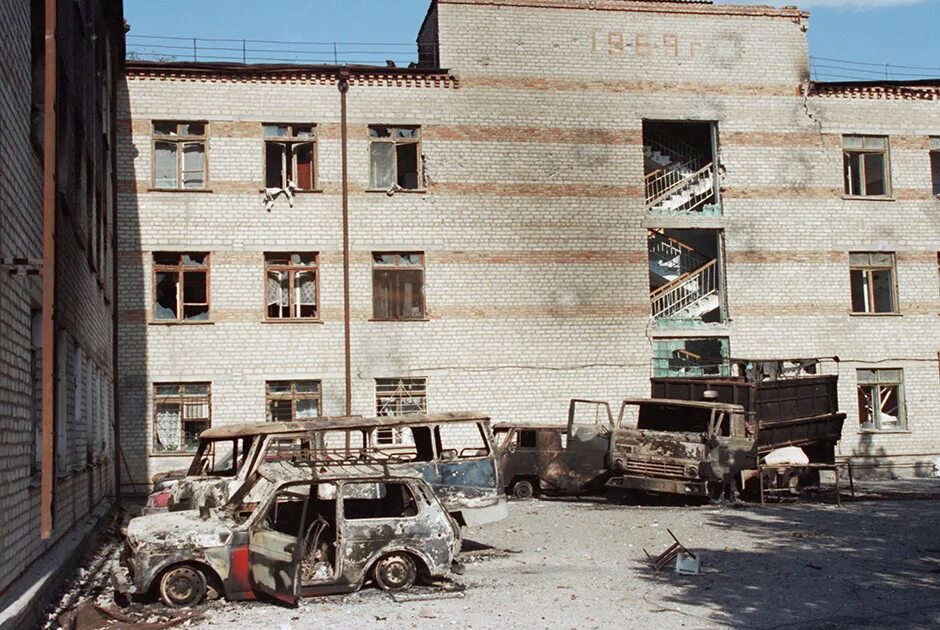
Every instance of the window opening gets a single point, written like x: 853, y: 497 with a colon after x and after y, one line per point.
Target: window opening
x: 865, y: 165
x: 398, y: 285
x: 398, y: 397
x: 395, y: 158
x: 292, y: 285
x: 881, y: 400
x: 181, y: 286
x: 181, y: 412
x: 873, y: 285
x: 290, y: 156
x: 179, y: 155
x: 289, y: 401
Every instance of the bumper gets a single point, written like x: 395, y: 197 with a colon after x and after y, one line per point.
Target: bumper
x: 483, y: 515
x: 684, y: 487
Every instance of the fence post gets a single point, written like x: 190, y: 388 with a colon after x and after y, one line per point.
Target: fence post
x: 195, y: 56
x: 244, y: 53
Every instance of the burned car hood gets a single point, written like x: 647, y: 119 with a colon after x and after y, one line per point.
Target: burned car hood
x: 176, y: 529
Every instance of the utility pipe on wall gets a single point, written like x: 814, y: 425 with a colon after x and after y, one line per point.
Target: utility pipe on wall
x: 343, y: 85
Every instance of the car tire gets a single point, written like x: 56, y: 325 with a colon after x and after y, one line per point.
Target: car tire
x: 395, y: 572
x: 523, y: 489
x: 182, y: 586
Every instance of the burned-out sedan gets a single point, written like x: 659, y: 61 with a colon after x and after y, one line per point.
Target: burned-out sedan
x: 293, y: 531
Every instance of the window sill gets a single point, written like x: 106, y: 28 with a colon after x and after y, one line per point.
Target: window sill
x: 297, y: 192
x: 401, y: 321
x: 180, y: 190
x: 177, y: 323
x: 868, y: 198
x: 295, y: 320
x: 394, y: 191
x: 863, y: 315
x: 884, y: 432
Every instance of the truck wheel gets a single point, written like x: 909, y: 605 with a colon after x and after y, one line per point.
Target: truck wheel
x: 395, y: 572
x: 523, y: 489
x: 182, y: 587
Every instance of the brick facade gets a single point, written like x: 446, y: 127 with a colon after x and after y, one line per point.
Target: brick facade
x: 532, y: 218
x: 83, y: 373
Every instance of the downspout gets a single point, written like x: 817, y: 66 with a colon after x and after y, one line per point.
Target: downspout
x: 117, y: 75
x: 48, y: 272
x: 343, y: 85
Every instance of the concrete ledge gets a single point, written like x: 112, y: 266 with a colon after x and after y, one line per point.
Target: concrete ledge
x: 24, y: 603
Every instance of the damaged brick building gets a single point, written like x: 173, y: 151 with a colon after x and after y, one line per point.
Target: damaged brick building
x: 59, y: 69
x: 561, y: 199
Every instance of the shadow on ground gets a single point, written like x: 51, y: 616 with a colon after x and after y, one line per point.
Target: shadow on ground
x: 867, y: 565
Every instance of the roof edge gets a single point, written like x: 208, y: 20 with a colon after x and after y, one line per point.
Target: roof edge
x: 662, y: 6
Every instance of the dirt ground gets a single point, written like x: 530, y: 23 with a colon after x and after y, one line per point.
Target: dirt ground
x: 579, y: 563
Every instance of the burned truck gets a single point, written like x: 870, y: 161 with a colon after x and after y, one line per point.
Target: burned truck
x: 704, y: 437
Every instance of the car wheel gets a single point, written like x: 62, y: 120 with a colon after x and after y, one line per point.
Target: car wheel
x: 182, y: 587
x: 395, y: 572
x: 523, y: 489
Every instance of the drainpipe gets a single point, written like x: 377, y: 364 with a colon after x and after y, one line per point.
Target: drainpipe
x: 48, y: 273
x: 343, y: 85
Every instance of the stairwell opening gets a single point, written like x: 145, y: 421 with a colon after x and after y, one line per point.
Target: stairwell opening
x: 685, y: 274
x: 681, y: 168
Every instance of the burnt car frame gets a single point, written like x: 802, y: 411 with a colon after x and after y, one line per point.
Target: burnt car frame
x: 557, y: 459
x: 314, y: 532
x: 467, y: 479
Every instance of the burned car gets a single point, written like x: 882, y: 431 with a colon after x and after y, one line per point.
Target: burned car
x: 311, y: 531
x: 453, y: 452
x: 557, y: 459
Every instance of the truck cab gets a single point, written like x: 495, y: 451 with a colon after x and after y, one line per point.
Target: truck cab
x: 680, y: 447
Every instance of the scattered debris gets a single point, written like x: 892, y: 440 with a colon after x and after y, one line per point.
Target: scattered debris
x: 91, y: 616
x: 271, y: 194
x: 673, y: 553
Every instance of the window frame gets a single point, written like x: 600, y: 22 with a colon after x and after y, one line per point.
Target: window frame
x: 181, y: 141
x: 862, y: 152
x: 396, y: 142
x: 293, y: 396
x: 867, y: 269
x: 383, y: 267
x: 180, y: 269
x: 880, y: 381
x: 391, y: 435
x: 292, y: 269
x: 156, y: 400
x: 291, y: 141
x: 934, y: 160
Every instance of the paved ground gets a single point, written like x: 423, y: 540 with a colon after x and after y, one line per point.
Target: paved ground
x: 580, y: 564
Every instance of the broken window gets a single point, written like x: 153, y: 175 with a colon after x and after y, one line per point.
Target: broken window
x: 181, y: 411
x: 397, y: 285
x: 290, y: 156
x: 460, y: 440
x: 292, y: 289
x: 395, y: 158
x: 179, y: 155
x: 180, y: 286
x: 707, y: 356
x: 873, y: 286
x: 881, y: 400
x: 398, y: 397
x: 865, y: 166
x: 378, y: 500
x: 935, y: 165
x: 685, y: 275
x: 289, y: 401
x: 527, y: 438
x: 680, y: 165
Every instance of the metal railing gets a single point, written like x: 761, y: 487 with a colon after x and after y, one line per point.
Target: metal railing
x: 168, y: 49
x: 662, y: 247
x: 681, y: 293
x: 678, y: 150
x: 662, y: 185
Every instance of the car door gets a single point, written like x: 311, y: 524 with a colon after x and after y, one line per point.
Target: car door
x: 274, y: 550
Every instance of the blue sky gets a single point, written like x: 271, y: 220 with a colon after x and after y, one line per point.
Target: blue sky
x: 895, y: 32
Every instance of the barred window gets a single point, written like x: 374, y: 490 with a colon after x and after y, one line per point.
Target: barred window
x: 289, y: 401
x: 181, y: 411
x: 881, y: 400
x: 399, y: 397
x: 291, y: 286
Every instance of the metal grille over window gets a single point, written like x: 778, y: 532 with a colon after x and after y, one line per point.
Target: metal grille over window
x: 181, y: 412
x: 180, y: 286
x: 873, y: 286
x: 399, y: 397
x: 395, y: 158
x: 179, y: 155
x: 290, y: 156
x: 290, y: 401
x: 865, y: 165
x: 292, y: 288
x: 398, y: 285
x: 881, y: 400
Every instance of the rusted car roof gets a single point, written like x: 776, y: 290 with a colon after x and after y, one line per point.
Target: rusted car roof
x: 530, y: 425
x: 280, y: 471
x: 685, y: 403
x: 336, y: 422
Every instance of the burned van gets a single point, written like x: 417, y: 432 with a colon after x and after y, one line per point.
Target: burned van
x: 453, y: 452
x: 292, y: 531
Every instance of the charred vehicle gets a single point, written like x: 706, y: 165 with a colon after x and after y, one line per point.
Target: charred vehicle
x: 557, y: 459
x: 677, y: 444
x: 313, y: 531
x: 453, y: 452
